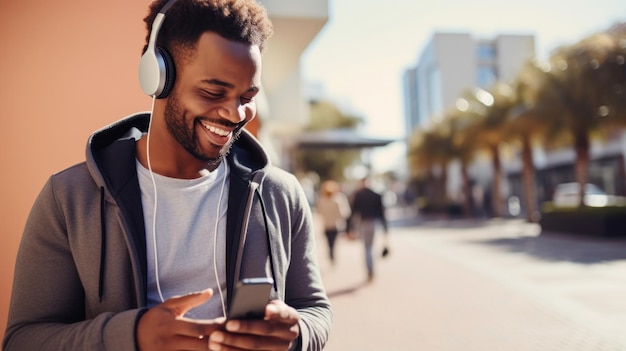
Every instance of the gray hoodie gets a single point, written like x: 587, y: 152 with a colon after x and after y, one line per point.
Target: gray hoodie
x: 80, y: 275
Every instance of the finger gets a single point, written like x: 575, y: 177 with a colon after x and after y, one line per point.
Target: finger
x: 225, y: 341
x: 160, y: 329
x: 179, y: 305
x: 199, y: 329
x: 277, y: 310
x: 279, y: 329
x: 191, y: 343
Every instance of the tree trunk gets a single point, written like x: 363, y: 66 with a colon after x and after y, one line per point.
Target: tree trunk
x: 430, y: 190
x: 581, y: 144
x: 444, y: 182
x: 496, y: 193
x: 467, y: 205
x: 528, y: 180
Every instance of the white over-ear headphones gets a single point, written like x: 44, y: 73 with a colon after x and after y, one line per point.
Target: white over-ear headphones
x: 157, y: 71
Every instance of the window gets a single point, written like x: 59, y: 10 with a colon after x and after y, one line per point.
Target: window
x: 485, y: 52
x: 485, y: 76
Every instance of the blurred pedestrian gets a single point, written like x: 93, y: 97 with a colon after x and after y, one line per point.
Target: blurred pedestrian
x: 334, y: 209
x: 367, y: 209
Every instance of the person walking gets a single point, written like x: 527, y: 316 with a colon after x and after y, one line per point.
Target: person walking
x: 332, y: 205
x: 367, y: 210
x: 143, y: 245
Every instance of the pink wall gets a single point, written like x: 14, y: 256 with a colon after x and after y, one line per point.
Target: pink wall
x: 67, y: 67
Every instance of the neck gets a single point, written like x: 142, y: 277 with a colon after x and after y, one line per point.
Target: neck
x: 174, y: 167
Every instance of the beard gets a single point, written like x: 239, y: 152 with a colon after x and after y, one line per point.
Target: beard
x: 183, y: 128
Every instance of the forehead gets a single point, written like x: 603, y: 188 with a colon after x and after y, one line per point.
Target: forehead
x: 215, y: 57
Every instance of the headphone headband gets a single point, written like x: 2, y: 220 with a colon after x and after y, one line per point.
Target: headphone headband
x: 167, y: 6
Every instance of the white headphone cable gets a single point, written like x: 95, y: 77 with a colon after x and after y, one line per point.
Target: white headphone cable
x: 154, y: 240
x: 217, y: 219
x: 154, y: 212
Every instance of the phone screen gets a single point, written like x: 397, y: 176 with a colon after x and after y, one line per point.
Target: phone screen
x: 250, y: 298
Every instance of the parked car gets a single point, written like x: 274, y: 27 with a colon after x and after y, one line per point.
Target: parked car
x: 566, y: 195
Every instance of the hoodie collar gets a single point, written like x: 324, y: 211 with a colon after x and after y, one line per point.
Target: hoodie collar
x: 246, y: 155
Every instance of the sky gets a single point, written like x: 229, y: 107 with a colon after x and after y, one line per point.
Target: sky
x: 359, y: 56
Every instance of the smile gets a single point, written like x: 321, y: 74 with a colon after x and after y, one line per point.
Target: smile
x: 215, y: 130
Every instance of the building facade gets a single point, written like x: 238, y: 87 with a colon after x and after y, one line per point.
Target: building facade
x: 452, y: 63
x: 284, y: 107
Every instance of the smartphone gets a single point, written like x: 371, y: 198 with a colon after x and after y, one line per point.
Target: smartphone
x: 250, y: 297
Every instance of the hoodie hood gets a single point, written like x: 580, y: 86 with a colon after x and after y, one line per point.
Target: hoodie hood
x: 246, y: 156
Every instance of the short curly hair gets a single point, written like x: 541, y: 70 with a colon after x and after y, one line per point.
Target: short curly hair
x: 244, y: 21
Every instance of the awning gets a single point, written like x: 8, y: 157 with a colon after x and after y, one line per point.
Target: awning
x: 338, y: 139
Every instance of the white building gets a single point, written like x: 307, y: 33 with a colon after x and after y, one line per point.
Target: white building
x: 452, y: 63
x: 283, y: 108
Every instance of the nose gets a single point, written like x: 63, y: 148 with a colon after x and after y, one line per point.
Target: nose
x: 233, y: 111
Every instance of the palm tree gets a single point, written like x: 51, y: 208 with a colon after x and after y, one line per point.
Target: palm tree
x: 614, y: 74
x: 579, y: 81
x: 420, y: 160
x: 490, y: 110
x: 458, y: 126
x: 528, y: 124
x: 429, y: 153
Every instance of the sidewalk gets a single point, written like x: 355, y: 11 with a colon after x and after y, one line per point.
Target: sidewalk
x: 477, y: 286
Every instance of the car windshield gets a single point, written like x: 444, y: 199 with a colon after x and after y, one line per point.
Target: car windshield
x: 591, y: 189
x: 572, y: 188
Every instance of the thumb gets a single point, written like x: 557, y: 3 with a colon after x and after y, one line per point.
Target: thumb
x: 179, y: 305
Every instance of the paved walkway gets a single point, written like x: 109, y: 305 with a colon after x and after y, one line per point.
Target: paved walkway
x: 479, y: 286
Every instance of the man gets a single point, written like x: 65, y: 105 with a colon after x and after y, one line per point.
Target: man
x: 141, y: 247
x: 367, y: 211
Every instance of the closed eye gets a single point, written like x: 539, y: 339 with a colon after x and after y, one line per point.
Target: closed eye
x: 249, y: 95
x: 210, y: 95
x: 247, y: 99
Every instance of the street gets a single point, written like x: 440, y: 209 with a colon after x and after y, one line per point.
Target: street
x: 479, y: 285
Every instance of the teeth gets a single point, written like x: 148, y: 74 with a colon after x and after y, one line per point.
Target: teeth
x: 212, y: 129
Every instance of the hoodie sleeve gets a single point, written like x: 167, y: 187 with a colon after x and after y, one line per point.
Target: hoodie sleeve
x: 311, y: 300
x: 47, y: 310
x: 304, y: 289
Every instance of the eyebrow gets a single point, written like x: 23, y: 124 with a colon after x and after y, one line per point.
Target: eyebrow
x: 224, y: 84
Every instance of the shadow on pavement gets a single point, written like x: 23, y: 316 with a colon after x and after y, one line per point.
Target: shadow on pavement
x: 563, y: 247
x: 437, y: 222
x: 547, y: 246
x: 346, y: 291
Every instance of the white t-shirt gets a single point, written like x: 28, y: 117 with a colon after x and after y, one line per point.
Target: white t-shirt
x: 185, y: 237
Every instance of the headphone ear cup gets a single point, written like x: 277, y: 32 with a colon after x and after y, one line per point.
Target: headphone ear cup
x: 170, y: 72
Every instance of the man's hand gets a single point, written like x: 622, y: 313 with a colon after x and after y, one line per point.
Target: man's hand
x: 163, y: 327
x: 276, y: 331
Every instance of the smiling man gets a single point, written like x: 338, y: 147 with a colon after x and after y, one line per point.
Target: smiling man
x: 213, y: 99
x: 143, y: 245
